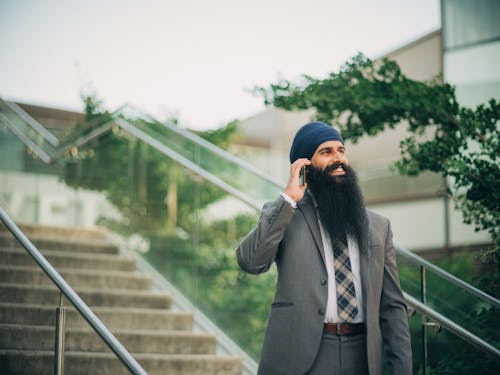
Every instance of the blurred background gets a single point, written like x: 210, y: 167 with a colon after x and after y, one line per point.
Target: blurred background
x: 140, y: 119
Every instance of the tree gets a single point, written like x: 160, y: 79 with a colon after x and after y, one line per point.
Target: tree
x: 364, y: 98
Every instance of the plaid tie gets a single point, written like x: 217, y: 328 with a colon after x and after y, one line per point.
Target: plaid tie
x: 346, y: 294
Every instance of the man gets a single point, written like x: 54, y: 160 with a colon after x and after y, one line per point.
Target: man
x: 338, y: 299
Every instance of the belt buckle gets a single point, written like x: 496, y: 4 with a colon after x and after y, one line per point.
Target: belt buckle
x: 339, y: 329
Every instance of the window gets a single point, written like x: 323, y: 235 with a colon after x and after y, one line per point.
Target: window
x: 468, y: 22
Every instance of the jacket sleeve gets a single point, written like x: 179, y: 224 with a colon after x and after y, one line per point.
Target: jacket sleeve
x: 259, y: 248
x: 393, y: 316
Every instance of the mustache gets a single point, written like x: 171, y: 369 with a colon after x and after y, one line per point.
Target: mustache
x: 335, y: 166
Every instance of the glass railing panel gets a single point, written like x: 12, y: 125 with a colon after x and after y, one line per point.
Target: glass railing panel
x: 409, y: 277
x: 451, y: 300
x: 234, y: 300
x: 464, y: 308
x: 192, y: 228
x: 43, y: 144
x: 446, y: 354
x: 242, y: 179
x: 35, y: 192
x: 12, y: 151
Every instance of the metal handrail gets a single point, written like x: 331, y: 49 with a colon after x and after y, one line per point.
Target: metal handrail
x: 34, y: 124
x: 451, y: 326
x: 448, y: 276
x: 127, y: 126
x: 125, y: 357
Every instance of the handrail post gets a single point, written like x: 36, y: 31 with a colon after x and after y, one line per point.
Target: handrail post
x: 59, y: 339
x: 423, y: 297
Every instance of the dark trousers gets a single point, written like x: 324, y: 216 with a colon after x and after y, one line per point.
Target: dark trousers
x: 341, y: 355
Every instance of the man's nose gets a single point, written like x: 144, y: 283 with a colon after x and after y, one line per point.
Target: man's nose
x: 337, y: 157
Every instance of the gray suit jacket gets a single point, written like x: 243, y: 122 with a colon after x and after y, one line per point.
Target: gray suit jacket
x: 292, y: 239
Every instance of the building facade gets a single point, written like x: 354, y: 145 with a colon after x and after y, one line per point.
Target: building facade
x: 471, y: 49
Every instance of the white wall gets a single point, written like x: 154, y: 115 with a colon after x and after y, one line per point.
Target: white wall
x: 420, y: 224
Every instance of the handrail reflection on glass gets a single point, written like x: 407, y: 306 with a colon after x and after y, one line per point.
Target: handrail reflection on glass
x: 95, y: 133
x: 33, y: 123
x: 445, y: 275
x: 117, y: 348
x: 63, y: 146
x: 25, y: 139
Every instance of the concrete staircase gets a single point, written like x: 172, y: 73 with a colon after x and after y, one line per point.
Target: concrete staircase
x: 160, y: 339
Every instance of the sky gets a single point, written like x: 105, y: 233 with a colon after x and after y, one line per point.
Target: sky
x: 197, y: 60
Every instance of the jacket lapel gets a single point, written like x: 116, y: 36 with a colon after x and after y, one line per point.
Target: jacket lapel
x: 306, y: 206
x: 364, y: 256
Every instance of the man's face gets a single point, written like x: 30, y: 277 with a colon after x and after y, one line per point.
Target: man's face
x: 328, y: 153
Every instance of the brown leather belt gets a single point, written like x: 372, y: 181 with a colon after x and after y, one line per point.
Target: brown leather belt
x: 344, y: 328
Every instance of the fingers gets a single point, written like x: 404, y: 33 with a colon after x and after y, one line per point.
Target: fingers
x: 295, y: 189
x: 297, y: 166
x: 295, y: 170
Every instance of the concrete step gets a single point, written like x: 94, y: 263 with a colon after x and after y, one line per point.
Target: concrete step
x: 63, y: 259
x: 112, y: 317
x: 74, y: 233
x: 49, y: 295
x: 63, y: 244
x: 76, y: 277
x: 19, y: 362
x: 19, y: 337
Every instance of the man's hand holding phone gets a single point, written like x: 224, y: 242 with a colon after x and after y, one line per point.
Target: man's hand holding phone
x: 296, y: 188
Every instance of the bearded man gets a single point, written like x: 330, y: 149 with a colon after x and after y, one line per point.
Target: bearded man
x: 338, y: 301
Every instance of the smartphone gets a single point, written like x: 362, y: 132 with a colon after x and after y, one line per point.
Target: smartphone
x: 303, y: 175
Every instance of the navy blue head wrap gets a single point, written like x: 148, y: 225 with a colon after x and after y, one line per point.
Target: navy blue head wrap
x: 309, y: 137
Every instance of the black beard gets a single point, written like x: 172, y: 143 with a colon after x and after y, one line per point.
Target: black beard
x: 340, y: 203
